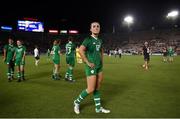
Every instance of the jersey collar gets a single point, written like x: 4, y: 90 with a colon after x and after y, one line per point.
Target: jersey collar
x: 94, y: 37
x: 19, y: 46
x: 11, y: 45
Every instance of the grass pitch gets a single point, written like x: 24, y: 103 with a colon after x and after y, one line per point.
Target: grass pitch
x: 127, y: 90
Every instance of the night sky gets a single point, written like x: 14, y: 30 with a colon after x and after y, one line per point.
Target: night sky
x: 78, y: 15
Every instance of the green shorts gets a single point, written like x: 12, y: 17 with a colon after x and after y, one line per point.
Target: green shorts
x: 19, y: 62
x: 170, y: 54
x: 8, y: 61
x: 92, y: 71
x: 70, y: 61
x: 55, y: 61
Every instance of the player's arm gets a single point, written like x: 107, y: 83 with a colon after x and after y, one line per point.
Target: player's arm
x: 24, y: 54
x: 4, y: 55
x: 102, y: 52
x: 59, y: 52
x: 52, y: 52
x: 14, y: 56
x: 82, y: 50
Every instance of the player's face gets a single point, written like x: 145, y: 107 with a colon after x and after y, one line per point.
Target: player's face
x: 146, y: 44
x: 95, y: 28
x: 10, y: 41
x: 18, y: 43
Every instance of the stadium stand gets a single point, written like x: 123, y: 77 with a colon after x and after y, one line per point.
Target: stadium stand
x: 129, y: 42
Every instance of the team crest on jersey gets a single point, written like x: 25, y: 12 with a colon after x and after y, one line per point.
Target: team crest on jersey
x: 92, y: 71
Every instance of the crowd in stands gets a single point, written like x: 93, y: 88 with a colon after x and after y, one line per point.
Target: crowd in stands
x: 131, y: 42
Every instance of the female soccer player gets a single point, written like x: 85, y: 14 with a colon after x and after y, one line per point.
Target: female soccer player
x: 55, y: 52
x: 170, y: 54
x: 92, y: 54
x: 19, y: 57
x: 36, y: 55
x: 146, y: 52
x: 9, y: 51
x: 70, y: 59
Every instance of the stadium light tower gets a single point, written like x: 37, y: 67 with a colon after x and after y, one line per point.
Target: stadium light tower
x: 128, y: 20
x: 173, y: 14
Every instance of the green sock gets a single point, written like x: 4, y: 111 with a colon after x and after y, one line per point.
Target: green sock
x: 12, y: 73
x: 71, y: 73
x: 22, y: 74
x: 97, y: 99
x: 67, y: 73
x: 18, y: 75
x: 81, y: 97
x: 9, y: 73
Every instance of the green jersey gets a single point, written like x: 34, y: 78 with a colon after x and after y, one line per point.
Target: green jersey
x: 93, y: 50
x: 56, y: 51
x: 70, y: 49
x: 170, y: 51
x: 20, y: 50
x: 10, y: 50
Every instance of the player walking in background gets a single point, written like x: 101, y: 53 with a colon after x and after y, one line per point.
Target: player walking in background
x: 36, y: 55
x: 92, y: 54
x: 55, y: 52
x: 19, y: 57
x: 146, y: 52
x: 48, y: 54
x: 78, y: 57
x: 115, y: 52
x: 120, y: 52
x: 164, y: 51
x: 9, y: 51
x: 170, y: 54
x: 70, y: 59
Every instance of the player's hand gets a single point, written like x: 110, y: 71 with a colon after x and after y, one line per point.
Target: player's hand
x: 90, y: 64
x: 4, y: 59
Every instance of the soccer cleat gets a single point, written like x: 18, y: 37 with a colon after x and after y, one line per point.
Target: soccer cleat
x: 53, y: 77
x: 76, y: 108
x: 23, y: 79
x: 57, y: 78
x: 19, y: 80
x: 12, y: 77
x: 66, y: 79
x: 102, y: 110
x: 9, y: 80
x: 71, y: 80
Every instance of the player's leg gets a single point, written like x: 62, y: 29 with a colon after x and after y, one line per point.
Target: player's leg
x: 37, y: 60
x: 56, y: 71
x: 9, y: 71
x: 70, y: 72
x: 71, y: 67
x: 96, y: 94
x: 146, y: 64
x: 67, y: 71
x: 22, y: 72
x: 91, y: 83
x: 12, y: 69
x: 18, y: 73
